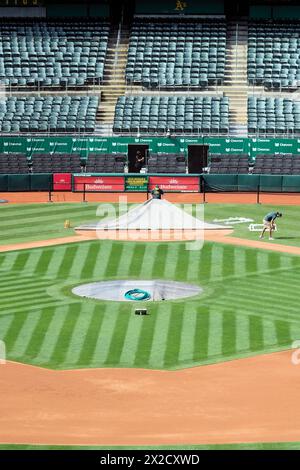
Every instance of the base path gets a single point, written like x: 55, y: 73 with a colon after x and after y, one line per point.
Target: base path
x: 248, y: 400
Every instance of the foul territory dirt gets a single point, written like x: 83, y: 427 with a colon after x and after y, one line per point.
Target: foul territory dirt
x: 249, y: 400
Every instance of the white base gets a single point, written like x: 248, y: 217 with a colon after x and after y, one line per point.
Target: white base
x: 259, y: 228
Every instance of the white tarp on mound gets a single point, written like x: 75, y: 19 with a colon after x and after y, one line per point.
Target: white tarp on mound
x: 154, y: 214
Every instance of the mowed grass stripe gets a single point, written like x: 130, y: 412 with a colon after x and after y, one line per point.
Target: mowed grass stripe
x: 14, y: 329
x: 174, y: 336
x: 30, y: 213
x: 34, y: 260
x: 161, y: 260
x: 9, y: 261
x: 283, y: 332
x: 229, y: 334
x: 131, y: 340
x: 55, y: 262
x: 39, y: 332
x: 101, y: 262
x: 228, y: 263
x: 149, y: 260
x: 5, y: 322
x: 258, y: 302
x: 214, y: 348
x: 51, y: 336
x: 22, y: 286
x: 90, y: 336
x: 62, y: 344
x: 274, y: 260
x: 181, y: 264
x: 157, y: 353
x: 145, y: 341
x: 88, y: 263
x: 251, y: 260
x: 113, y: 260
x: 170, y: 266
x: 78, y: 258
x: 205, y: 262
x: 21, y: 261
x: 9, y: 297
x: 186, y: 349
x: 200, y: 335
x: 84, y: 336
x: 125, y: 260
x: 17, y: 310
x: 269, y: 333
x: 44, y: 261
x: 46, y: 219
x: 256, y: 333
x: 25, y: 335
x: 67, y: 261
x: 242, y: 333
x: 239, y: 263
x: 118, y: 337
x: 137, y: 260
x: 217, y: 261
x: 106, y: 333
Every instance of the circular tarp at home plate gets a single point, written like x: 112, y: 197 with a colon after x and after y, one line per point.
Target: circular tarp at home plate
x: 118, y: 290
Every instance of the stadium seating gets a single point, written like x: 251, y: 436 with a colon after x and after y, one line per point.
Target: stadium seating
x: 55, y: 163
x: 277, y: 164
x: 165, y: 53
x: 273, y: 115
x: 105, y: 163
x: 13, y: 163
x: 48, y: 114
x: 47, y: 53
x: 166, y: 163
x: 231, y: 164
x: 274, y: 54
x: 178, y: 114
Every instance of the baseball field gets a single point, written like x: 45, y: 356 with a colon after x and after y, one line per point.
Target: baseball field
x: 210, y: 355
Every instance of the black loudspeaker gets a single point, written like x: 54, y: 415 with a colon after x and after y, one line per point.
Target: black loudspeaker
x: 197, y: 158
x: 141, y: 311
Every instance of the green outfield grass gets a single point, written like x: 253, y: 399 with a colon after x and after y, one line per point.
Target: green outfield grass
x: 256, y: 446
x: 42, y: 323
x: 32, y: 222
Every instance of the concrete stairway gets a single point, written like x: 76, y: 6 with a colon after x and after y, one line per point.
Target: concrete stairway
x: 235, y: 80
x: 113, y: 84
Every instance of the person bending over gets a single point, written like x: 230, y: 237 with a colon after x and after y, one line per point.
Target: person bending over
x: 269, y: 223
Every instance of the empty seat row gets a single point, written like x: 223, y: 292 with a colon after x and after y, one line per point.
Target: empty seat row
x: 277, y: 164
x: 274, y: 54
x: 177, y: 114
x: 52, y: 52
x: 169, y: 54
x: 229, y: 164
x: 273, y: 115
x: 48, y: 114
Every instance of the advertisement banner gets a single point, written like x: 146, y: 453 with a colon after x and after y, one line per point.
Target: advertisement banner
x: 62, y: 181
x: 175, y: 183
x: 136, y: 183
x: 98, y: 183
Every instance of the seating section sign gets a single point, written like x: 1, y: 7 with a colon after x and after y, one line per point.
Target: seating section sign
x: 136, y: 183
x: 98, y: 183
